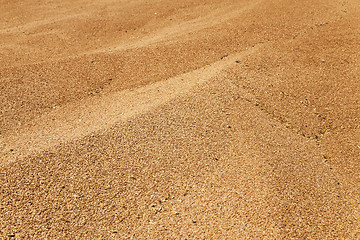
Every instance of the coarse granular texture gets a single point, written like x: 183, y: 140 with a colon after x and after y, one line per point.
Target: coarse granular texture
x: 180, y: 119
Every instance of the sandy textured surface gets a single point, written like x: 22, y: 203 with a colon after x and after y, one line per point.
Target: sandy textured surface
x: 231, y: 119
